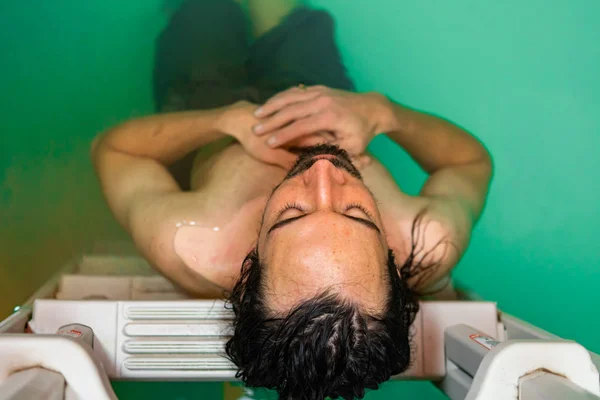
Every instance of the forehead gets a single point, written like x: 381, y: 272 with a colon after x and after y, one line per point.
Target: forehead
x: 301, y: 264
x: 369, y: 295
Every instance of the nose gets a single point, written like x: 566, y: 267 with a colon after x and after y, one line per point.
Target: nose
x: 325, y: 181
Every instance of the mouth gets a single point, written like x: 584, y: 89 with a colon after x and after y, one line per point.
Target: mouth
x: 335, y: 155
x: 324, y: 157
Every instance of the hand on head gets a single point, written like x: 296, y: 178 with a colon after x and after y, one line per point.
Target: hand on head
x: 302, y: 117
x: 297, y: 113
x: 237, y: 120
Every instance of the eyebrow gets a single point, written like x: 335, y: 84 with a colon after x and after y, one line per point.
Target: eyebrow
x: 363, y: 221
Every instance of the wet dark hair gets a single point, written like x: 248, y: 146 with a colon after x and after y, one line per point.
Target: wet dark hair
x: 326, y: 346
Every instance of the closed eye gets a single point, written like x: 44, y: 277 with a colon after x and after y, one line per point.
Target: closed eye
x: 361, y: 208
x: 289, y: 206
x: 366, y: 222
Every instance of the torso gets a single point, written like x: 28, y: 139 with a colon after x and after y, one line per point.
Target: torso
x: 232, y: 189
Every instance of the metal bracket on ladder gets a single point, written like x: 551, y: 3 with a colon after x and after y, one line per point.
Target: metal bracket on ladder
x: 164, y: 337
x: 39, y: 366
x: 481, y: 368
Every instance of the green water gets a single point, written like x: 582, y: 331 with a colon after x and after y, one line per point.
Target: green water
x: 523, y: 76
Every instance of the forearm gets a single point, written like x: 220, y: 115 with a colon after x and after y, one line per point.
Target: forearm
x: 459, y: 166
x: 164, y: 138
x: 431, y: 141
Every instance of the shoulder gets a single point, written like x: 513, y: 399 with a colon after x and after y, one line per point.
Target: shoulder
x: 435, y: 234
x: 154, y: 224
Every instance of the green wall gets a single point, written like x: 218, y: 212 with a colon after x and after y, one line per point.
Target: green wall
x: 68, y: 70
x: 523, y: 76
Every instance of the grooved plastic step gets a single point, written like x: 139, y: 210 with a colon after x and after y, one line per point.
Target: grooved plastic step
x: 197, y: 312
x: 201, y: 346
x: 213, y: 363
x: 162, y: 329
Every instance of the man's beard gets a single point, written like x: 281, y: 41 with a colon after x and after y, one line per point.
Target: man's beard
x: 306, y: 159
x: 340, y: 159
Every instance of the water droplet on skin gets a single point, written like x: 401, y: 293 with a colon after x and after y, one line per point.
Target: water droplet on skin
x: 194, y: 223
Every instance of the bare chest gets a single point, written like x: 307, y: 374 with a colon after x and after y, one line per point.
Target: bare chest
x: 234, y: 188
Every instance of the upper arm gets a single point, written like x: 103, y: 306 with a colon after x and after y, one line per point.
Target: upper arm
x: 464, y: 185
x: 147, y: 202
x: 450, y: 204
x: 129, y: 181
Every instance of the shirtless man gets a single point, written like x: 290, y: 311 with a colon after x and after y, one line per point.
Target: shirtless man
x: 321, y: 259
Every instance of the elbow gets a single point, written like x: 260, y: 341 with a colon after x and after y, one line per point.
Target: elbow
x: 487, y: 162
x: 99, y: 146
x: 481, y: 157
x: 104, y: 141
x: 96, y: 143
x: 477, y: 155
x: 484, y: 165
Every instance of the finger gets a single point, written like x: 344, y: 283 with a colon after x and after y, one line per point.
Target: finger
x: 361, y: 161
x: 286, y: 116
x: 328, y: 136
x: 298, y: 129
x: 307, y: 141
x: 284, y: 99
